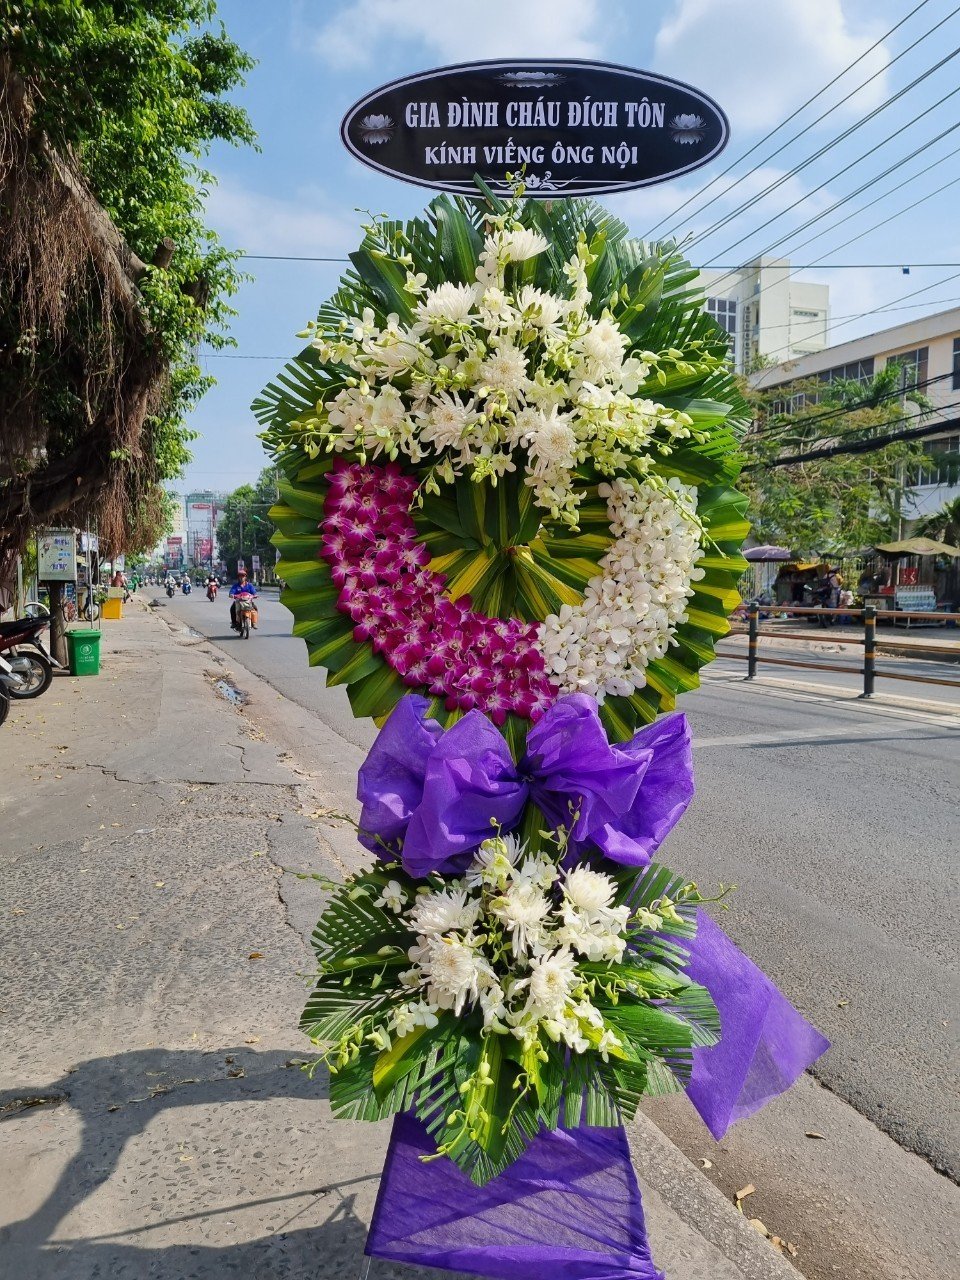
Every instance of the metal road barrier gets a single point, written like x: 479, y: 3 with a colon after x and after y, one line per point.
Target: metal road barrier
x: 868, y: 642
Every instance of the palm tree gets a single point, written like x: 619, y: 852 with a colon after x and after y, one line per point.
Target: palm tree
x: 942, y: 525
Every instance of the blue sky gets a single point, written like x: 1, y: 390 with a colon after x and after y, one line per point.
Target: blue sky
x: 760, y: 59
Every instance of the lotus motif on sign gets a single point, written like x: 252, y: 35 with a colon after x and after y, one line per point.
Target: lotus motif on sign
x: 533, y: 79
x: 687, y: 129
x: 376, y: 129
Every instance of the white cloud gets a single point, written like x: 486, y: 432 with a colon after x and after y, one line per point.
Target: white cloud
x: 258, y: 223
x: 761, y: 59
x: 458, y: 30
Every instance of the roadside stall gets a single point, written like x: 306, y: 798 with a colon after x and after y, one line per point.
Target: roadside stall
x: 765, y: 564
x: 906, y: 582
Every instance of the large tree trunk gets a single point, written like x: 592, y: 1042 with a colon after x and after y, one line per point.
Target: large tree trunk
x: 58, y: 630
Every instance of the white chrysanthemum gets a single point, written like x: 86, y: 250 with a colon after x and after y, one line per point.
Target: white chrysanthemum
x: 444, y: 911
x: 523, y: 909
x: 521, y: 244
x: 447, y: 304
x: 589, y: 891
x: 505, y: 369
x: 448, y: 421
x: 540, y: 309
x: 603, y: 346
x: 453, y: 971
x: 552, y: 979
x: 551, y: 443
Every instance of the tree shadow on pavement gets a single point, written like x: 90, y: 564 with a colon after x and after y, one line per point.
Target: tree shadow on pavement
x: 301, y: 1230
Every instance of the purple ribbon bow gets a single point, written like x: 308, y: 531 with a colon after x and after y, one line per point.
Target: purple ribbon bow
x: 434, y: 793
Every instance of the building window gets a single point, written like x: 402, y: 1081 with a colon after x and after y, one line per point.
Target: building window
x: 913, y: 368
x: 724, y: 311
x: 956, y: 364
x: 857, y: 371
x: 941, y: 465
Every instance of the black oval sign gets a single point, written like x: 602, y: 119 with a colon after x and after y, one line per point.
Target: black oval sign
x: 576, y: 128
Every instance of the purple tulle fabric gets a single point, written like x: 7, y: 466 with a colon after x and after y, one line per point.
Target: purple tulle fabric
x: 568, y: 1209
x: 437, y: 792
x: 765, y: 1044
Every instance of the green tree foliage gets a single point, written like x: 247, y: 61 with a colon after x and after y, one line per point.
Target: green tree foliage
x: 244, y: 528
x: 110, y: 107
x: 942, y: 525
x: 829, y: 505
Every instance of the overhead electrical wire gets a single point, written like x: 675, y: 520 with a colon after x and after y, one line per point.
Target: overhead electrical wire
x: 846, y: 243
x: 840, y: 410
x: 839, y: 174
x: 863, y: 444
x: 828, y: 146
x: 837, y: 204
x: 862, y: 315
x: 757, y: 145
x: 855, y: 315
x: 876, y: 200
x: 801, y: 266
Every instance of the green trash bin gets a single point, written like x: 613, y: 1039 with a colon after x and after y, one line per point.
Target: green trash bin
x: 84, y: 650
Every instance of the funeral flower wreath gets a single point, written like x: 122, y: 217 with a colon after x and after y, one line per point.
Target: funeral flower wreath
x: 508, y: 527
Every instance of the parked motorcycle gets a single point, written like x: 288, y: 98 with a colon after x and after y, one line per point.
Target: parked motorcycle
x: 22, y: 649
x: 9, y: 680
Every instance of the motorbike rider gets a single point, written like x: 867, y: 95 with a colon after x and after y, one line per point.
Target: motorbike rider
x: 213, y: 585
x: 241, y: 588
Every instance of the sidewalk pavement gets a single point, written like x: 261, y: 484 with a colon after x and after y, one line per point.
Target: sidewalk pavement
x: 153, y: 964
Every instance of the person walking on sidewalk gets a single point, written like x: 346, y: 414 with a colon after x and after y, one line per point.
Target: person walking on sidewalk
x: 241, y: 588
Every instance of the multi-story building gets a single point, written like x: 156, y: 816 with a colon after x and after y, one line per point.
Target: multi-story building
x: 202, y: 510
x: 928, y: 351
x: 766, y: 312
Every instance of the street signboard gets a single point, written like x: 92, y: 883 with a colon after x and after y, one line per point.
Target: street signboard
x: 255, y: 564
x: 571, y: 127
x: 240, y: 566
x: 57, y: 556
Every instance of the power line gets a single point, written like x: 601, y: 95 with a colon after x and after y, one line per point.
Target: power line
x: 908, y: 208
x: 866, y: 444
x: 852, y: 315
x: 840, y: 172
x: 803, y: 266
x: 847, y: 133
x: 859, y: 236
x: 780, y: 430
x: 861, y: 315
x: 766, y: 160
x: 876, y: 200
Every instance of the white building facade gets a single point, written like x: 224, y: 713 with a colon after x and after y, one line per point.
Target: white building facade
x: 768, y: 314
x: 928, y: 351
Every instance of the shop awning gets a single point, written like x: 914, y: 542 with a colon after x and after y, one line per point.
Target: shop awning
x: 918, y: 547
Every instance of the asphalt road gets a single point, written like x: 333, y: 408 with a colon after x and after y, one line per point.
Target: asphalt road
x: 837, y: 819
